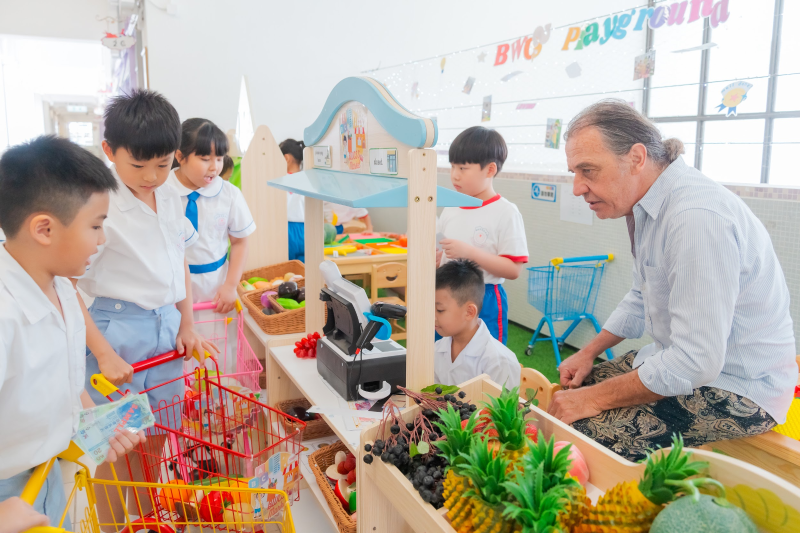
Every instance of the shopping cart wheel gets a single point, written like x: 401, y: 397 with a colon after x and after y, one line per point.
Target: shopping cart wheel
x: 528, y: 350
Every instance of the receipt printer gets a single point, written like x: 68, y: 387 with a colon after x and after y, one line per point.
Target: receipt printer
x: 348, y: 356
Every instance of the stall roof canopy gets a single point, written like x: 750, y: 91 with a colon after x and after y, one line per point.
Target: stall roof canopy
x: 362, y: 190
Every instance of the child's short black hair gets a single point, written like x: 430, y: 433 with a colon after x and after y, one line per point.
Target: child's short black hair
x: 227, y: 165
x: 464, y: 279
x: 202, y: 137
x: 479, y: 145
x: 48, y: 175
x: 144, y: 123
x: 293, y: 148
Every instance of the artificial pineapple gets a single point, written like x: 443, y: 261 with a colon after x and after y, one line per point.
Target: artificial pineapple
x: 628, y: 508
x: 508, y: 421
x: 535, y: 509
x: 456, y: 440
x: 487, y: 475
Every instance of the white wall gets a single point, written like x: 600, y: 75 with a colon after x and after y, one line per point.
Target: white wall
x: 64, y: 19
x: 293, y: 53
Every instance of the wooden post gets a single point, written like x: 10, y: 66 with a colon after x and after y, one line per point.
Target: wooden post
x: 315, y: 245
x: 264, y: 162
x: 421, y: 267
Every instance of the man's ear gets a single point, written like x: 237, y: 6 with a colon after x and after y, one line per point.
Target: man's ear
x: 41, y: 228
x: 491, y: 170
x: 637, y: 157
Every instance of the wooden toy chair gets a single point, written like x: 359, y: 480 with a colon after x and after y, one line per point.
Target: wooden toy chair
x: 390, y: 276
x: 533, y: 379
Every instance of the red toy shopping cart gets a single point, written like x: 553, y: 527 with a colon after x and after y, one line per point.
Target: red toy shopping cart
x: 214, y: 435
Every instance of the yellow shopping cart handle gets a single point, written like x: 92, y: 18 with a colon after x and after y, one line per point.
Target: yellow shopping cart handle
x: 105, y: 387
x: 40, y: 473
x: 46, y: 529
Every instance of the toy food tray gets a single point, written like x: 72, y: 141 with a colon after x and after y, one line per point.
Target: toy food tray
x: 772, y: 503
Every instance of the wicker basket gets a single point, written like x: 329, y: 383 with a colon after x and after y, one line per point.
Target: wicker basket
x: 285, y: 323
x: 276, y: 306
x: 314, y: 428
x: 273, y: 271
x: 319, y: 461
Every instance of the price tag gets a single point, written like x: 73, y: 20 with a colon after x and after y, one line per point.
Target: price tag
x: 118, y: 43
x: 545, y: 192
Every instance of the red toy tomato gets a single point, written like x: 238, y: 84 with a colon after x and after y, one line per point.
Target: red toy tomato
x: 579, y: 469
x: 531, y: 432
x: 212, y: 507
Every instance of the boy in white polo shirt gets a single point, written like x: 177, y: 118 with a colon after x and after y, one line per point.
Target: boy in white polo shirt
x: 492, y: 235
x: 216, y: 209
x: 53, y: 201
x: 467, y: 349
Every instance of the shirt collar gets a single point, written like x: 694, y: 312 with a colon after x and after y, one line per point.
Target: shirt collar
x: 654, y: 198
x: 213, y: 189
x: 123, y: 198
x: 485, y: 202
x: 27, y: 294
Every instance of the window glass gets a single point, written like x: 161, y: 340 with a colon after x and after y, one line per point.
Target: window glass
x: 732, y: 150
x: 81, y: 133
x: 686, y: 132
x: 676, y: 68
x: 785, y: 144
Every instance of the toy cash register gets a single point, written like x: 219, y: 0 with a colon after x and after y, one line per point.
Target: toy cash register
x: 348, y: 356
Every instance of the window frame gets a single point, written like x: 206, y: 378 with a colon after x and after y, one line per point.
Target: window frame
x: 702, y: 117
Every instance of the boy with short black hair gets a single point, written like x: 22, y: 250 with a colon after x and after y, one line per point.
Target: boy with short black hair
x: 493, y: 234
x: 54, y: 198
x: 467, y: 349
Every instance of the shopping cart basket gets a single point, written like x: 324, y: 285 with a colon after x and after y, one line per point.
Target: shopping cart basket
x: 239, y: 364
x: 565, y: 290
x: 212, y: 436
x: 204, y: 508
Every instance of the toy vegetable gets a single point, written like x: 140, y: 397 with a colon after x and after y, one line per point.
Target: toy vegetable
x: 212, y: 506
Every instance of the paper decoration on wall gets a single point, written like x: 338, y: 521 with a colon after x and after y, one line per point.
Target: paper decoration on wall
x: 552, y: 136
x: 510, y: 75
x: 468, y: 86
x: 732, y: 95
x: 644, y: 65
x: 617, y: 26
x: 415, y: 90
x: 482, y: 57
x: 573, y: 70
x: 353, y: 135
x: 528, y: 47
x: 525, y: 106
x: 695, y: 48
x: 441, y: 64
x: 486, y: 111
x: 322, y: 156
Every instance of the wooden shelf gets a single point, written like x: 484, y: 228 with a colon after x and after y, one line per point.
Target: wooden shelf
x: 313, y: 488
x: 284, y: 365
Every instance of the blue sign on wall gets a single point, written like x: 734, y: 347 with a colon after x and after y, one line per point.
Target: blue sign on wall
x: 546, y: 192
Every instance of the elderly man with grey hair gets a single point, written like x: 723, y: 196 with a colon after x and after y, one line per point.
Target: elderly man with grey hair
x: 707, y: 287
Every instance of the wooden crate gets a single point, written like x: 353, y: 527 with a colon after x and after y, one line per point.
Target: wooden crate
x: 388, y: 503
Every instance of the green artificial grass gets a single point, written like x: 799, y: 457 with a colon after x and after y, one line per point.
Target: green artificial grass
x: 542, y: 358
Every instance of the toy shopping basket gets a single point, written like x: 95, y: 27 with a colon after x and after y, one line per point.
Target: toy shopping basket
x: 240, y: 365
x: 565, y: 290
x: 205, y: 508
x: 214, y: 435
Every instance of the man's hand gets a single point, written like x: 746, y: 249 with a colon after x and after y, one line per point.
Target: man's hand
x: 438, y: 258
x: 571, y: 405
x: 17, y: 516
x: 225, y: 298
x: 574, y: 369
x: 122, y: 444
x: 456, y: 249
x: 188, y: 341
x: 115, y: 369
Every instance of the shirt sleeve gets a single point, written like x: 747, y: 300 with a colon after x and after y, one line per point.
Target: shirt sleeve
x: 702, y: 266
x: 627, y: 320
x: 512, y: 242
x: 240, y: 221
x: 190, y: 234
x: 497, y: 369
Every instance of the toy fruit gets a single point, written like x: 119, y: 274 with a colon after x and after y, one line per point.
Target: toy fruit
x: 353, y: 500
x: 247, y: 286
x: 306, y: 348
x: 636, y: 506
x: 456, y: 441
x: 288, y: 276
x: 343, y: 491
x: 509, y: 423
x: 579, y: 469
x: 333, y: 474
x: 301, y: 414
x: 330, y: 232
x: 532, y: 432
x: 255, y: 279
x: 351, y: 477
x: 265, y: 298
x: 301, y: 294
x: 287, y: 289
x: 259, y: 285
x: 240, y: 514
x: 700, y: 512
x: 169, y: 497
x: 288, y: 303
x: 212, y: 506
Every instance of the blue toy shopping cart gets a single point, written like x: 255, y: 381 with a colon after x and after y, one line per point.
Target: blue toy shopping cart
x: 565, y: 290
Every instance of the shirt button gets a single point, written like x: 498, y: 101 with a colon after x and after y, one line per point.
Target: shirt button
x: 118, y: 306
